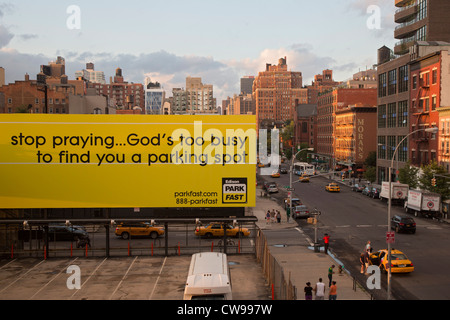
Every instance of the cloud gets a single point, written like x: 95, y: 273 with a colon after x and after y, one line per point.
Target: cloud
x: 5, y: 36
x: 171, y: 70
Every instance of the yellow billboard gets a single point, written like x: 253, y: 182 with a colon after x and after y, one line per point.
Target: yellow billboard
x: 126, y: 161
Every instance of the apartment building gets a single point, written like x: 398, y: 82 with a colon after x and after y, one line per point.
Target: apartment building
x: 420, y: 20
x: 276, y: 92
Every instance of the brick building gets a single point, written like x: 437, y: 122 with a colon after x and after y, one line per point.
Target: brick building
x: 121, y: 94
x: 275, y: 92
x: 329, y: 103
x: 306, y: 125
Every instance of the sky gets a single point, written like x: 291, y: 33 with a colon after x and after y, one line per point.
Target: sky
x: 217, y: 40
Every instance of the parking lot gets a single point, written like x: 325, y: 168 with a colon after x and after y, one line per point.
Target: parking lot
x: 130, y: 278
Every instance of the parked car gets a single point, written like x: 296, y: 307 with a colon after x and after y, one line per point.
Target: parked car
x: 138, y: 229
x: 295, y: 202
x: 272, y: 188
x: 65, y: 233
x: 300, y: 211
x: 403, y: 224
x: 367, y: 191
x: 399, y: 261
x: 217, y: 229
x: 375, y: 193
x: 358, y: 187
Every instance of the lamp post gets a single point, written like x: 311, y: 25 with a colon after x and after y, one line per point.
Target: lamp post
x: 290, y: 176
x: 428, y: 130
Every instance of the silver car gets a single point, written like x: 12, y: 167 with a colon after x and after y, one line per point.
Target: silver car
x: 301, y: 211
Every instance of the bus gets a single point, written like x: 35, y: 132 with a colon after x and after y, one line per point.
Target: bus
x: 209, y: 277
x: 301, y: 168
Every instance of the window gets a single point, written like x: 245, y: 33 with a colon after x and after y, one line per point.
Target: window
x: 423, y: 10
x: 382, y: 84
x: 392, y: 78
x: 403, y: 79
x: 434, y: 102
x: 382, y: 116
x: 434, y: 76
x: 391, y: 140
x: 403, y: 150
x: 9, y: 100
x: 414, y: 83
x: 392, y: 115
x: 402, y: 114
x: 381, y: 147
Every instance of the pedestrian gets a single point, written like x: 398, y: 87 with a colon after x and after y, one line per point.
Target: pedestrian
x: 272, y: 215
x: 366, y: 260
x: 361, y: 261
x: 319, y: 290
x: 308, y: 291
x: 330, y: 275
x: 333, y: 291
x: 326, y: 240
x: 278, y: 216
x: 368, y: 247
x: 268, y: 217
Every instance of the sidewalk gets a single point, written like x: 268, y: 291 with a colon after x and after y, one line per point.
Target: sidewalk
x: 301, y: 262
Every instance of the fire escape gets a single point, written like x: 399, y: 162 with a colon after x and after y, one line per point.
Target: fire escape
x: 422, y: 116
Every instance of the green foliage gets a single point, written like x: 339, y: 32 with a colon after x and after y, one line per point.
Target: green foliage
x: 433, y: 170
x: 371, y: 174
x: 408, y: 175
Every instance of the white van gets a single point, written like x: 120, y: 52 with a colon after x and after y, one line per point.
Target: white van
x: 208, y: 278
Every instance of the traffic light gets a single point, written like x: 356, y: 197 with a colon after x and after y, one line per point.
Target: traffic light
x: 433, y: 182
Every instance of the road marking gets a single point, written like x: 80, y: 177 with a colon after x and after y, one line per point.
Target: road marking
x: 22, y: 276
x: 62, y: 270
x: 89, y: 277
x: 157, y: 279
x: 123, y: 278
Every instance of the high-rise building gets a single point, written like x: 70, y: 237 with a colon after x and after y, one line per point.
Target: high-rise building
x: 154, y: 98
x: 277, y: 92
x: 247, y: 85
x: 121, y: 94
x: 200, y: 97
x: 420, y: 20
x: 89, y: 74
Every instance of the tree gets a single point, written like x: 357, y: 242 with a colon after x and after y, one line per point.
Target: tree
x: 433, y: 170
x: 371, y: 174
x: 409, y: 175
x: 371, y: 160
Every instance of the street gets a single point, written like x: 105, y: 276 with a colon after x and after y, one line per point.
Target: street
x: 352, y: 219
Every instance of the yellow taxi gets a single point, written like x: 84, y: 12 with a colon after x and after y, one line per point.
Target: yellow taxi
x: 399, y: 261
x: 275, y: 174
x: 332, y: 187
x: 138, y: 229
x: 304, y: 178
x: 216, y: 229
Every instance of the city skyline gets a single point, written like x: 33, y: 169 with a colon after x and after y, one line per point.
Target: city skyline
x: 217, y: 41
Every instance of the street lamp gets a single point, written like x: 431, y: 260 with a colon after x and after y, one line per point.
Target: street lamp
x: 290, y: 176
x: 433, y: 130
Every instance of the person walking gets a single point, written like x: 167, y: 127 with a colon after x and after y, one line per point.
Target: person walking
x: 368, y: 247
x: 333, y: 291
x: 319, y: 290
x: 366, y: 260
x: 278, y: 216
x: 326, y: 241
x: 362, y: 262
x: 268, y: 217
x: 308, y: 291
x: 330, y: 275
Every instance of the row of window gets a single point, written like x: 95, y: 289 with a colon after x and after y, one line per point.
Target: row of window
x: 393, y: 82
x: 393, y: 115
